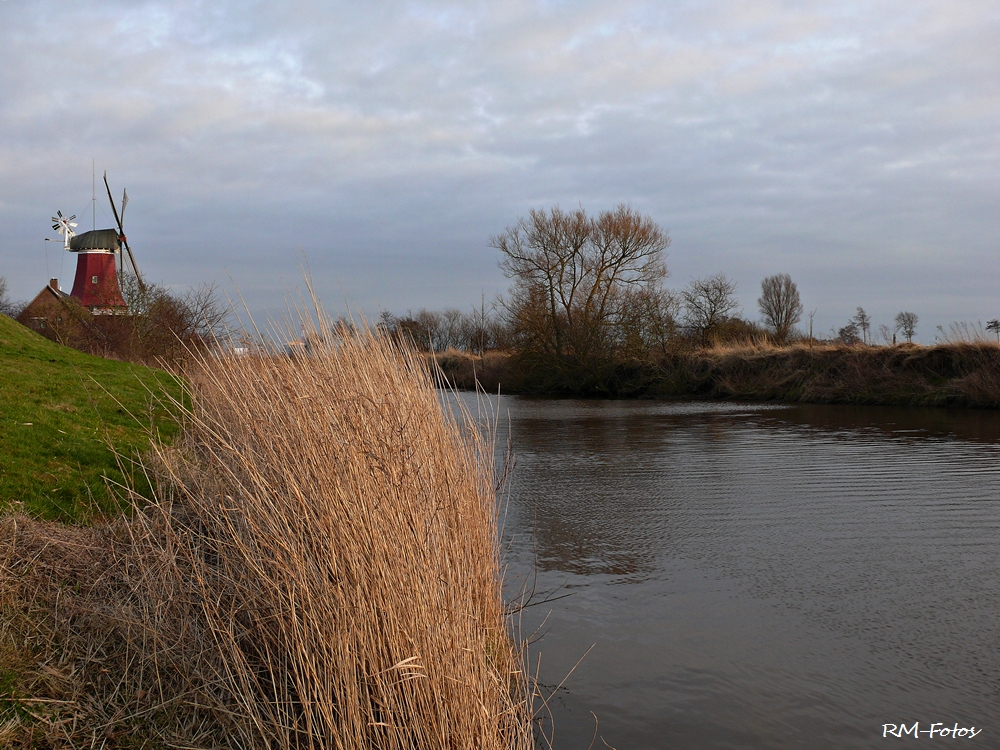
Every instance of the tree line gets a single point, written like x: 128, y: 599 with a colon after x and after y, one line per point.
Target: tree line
x: 477, y: 332
x: 587, y: 296
x: 858, y: 329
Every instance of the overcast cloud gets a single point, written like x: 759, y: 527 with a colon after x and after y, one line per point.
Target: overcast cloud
x: 853, y: 145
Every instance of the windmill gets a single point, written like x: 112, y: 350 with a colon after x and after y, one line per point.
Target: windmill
x: 64, y: 225
x: 96, y: 284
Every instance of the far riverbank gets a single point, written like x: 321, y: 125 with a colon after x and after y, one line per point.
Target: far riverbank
x: 960, y: 374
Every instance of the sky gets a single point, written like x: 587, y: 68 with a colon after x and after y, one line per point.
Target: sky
x: 852, y: 145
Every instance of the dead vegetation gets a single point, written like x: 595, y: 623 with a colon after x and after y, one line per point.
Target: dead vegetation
x: 956, y: 373
x: 952, y: 374
x: 319, y: 570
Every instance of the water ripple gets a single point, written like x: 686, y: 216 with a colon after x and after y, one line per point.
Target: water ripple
x: 762, y: 576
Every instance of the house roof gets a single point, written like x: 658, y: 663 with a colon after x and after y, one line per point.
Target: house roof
x: 48, y: 294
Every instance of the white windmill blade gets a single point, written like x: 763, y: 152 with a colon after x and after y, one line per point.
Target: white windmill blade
x: 64, y: 224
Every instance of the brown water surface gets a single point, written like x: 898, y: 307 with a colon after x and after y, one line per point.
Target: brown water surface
x: 759, y: 576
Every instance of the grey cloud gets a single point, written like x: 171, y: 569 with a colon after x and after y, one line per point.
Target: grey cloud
x: 851, y: 144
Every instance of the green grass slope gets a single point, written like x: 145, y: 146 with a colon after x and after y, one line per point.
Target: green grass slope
x: 63, y: 416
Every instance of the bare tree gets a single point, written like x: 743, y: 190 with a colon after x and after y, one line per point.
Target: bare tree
x: 780, y: 305
x: 9, y: 307
x: 994, y: 325
x: 648, y: 323
x: 544, y: 255
x: 429, y: 325
x: 863, y: 322
x: 574, y: 277
x: 161, y: 324
x: 482, y: 329
x: 708, y: 302
x: 451, y: 330
x: 849, y: 334
x: 416, y: 331
x: 907, y: 323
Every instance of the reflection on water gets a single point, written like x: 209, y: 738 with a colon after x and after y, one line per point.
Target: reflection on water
x: 760, y: 576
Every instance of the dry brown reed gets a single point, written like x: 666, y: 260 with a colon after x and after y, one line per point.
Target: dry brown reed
x: 320, y: 570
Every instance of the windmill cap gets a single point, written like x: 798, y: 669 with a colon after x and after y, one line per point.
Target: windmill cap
x: 98, y: 239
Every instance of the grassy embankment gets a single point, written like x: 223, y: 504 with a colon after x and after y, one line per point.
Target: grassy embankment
x: 319, y: 569
x: 60, y: 413
x: 957, y: 374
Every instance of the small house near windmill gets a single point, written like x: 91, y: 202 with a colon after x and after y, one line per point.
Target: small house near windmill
x: 47, y: 310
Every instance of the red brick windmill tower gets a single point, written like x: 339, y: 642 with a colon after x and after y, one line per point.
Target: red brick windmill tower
x: 99, y: 256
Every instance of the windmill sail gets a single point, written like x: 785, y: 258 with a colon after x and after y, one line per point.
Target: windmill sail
x: 121, y: 231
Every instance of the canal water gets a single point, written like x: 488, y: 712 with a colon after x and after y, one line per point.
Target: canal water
x: 757, y: 576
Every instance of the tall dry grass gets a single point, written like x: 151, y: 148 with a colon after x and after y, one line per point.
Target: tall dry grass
x: 320, y: 570
x: 964, y: 332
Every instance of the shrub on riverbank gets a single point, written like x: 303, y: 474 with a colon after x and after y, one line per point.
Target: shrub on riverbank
x: 957, y: 374
x: 320, y: 570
